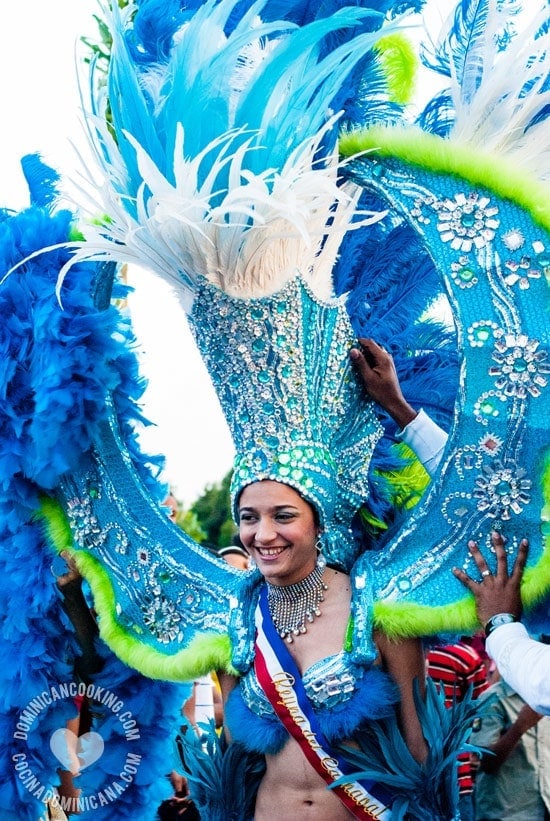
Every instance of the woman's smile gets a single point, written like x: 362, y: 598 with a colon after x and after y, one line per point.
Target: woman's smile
x: 269, y: 552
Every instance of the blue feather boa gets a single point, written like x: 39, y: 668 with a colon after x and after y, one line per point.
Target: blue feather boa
x: 56, y: 365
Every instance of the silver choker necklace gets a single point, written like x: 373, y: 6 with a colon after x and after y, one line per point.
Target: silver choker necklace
x: 293, y: 606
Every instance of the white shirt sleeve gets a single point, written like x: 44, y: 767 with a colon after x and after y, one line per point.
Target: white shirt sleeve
x: 204, y: 699
x: 427, y: 440
x: 523, y: 663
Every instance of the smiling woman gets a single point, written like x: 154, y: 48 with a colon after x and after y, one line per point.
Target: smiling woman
x: 292, y: 501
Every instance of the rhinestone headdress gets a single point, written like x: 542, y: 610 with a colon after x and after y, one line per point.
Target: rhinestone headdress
x: 296, y: 411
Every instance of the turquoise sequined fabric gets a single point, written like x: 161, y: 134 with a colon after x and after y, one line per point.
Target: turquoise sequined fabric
x: 296, y: 410
x: 494, y: 261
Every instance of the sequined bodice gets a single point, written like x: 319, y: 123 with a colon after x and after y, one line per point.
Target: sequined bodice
x: 327, y: 682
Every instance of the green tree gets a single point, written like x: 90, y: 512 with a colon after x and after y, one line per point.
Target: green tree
x: 213, y: 511
x: 190, y: 524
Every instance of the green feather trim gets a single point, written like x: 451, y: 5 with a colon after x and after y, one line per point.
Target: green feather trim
x: 409, y: 482
x: 57, y: 528
x: 204, y: 653
x: 405, y: 486
x: 398, y: 61
x: 444, y: 156
x: 213, y: 652
x: 408, y: 619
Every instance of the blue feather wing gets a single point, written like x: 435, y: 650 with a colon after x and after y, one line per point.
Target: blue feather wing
x: 163, y: 601
x: 491, y: 256
x: 68, y: 432
x: 57, y: 364
x: 391, y: 281
x: 164, y: 590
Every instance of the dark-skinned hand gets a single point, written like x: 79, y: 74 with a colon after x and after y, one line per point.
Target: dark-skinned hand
x: 376, y: 368
x: 499, y: 592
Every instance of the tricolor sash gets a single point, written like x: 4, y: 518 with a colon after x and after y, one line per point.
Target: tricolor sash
x: 281, y: 681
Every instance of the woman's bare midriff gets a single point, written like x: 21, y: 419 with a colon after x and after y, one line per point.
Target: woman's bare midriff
x: 291, y: 789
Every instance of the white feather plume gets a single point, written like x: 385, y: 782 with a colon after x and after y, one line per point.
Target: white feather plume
x: 248, y: 240
x: 514, y: 88
x: 263, y: 139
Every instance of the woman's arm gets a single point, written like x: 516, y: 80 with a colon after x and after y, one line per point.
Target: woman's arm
x: 377, y: 370
x: 80, y: 615
x: 508, y: 741
x: 227, y: 684
x: 404, y: 661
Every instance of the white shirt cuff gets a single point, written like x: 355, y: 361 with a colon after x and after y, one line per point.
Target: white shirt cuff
x: 426, y: 439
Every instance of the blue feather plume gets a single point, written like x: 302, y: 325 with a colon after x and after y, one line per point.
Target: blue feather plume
x: 192, y: 195
x: 223, y: 779
x: 456, y: 51
x: 428, y: 790
x: 41, y: 180
x: 55, y: 367
x: 437, y: 116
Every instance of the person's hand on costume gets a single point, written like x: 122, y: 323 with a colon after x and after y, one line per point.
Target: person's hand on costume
x: 70, y: 582
x: 377, y: 370
x: 498, y: 593
x: 179, y: 784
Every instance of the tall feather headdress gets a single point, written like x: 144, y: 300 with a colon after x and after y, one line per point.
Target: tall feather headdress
x: 244, y: 195
x: 247, y: 199
x: 177, y: 198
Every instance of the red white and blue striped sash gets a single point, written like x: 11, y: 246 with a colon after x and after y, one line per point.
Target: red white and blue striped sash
x: 282, y: 683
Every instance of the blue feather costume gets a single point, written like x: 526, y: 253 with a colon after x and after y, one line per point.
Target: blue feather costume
x: 56, y: 365
x: 194, y: 198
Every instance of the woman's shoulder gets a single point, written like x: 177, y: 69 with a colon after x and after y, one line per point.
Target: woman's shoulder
x: 338, y: 589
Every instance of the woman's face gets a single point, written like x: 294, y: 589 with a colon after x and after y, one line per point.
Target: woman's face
x: 278, y: 529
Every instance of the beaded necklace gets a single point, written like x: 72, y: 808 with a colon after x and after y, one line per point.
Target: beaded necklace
x: 292, y: 606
